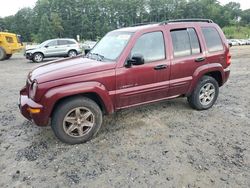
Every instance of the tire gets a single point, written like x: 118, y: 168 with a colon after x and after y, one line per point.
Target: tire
x: 37, y: 57
x: 205, y: 94
x: 72, y: 53
x: 2, y: 54
x: 69, y: 124
x: 8, y: 56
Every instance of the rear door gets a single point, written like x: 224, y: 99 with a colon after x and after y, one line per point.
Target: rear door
x: 63, y: 47
x: 140, y: 84
x: 188, y: 55
x: 214, y: 45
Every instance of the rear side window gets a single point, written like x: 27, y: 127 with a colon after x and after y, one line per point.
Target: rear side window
x: 151, y: 46
x: 9, y: 39
x: 212, y: 38
x: 62, y: 42
x: 185, y: 42
x: 70, y: 42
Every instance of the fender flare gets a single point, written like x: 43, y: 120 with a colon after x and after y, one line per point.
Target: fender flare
x: 53, y: 95
x: 205, y: 69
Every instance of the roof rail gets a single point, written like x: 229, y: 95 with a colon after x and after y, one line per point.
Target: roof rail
x: 187, y: 20
x: 141, y: 24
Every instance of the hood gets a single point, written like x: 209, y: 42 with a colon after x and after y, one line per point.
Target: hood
x: 33, y: 47
x: 65, y: 68
x: 30, y: 49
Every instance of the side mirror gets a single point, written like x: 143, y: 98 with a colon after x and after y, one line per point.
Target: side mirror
x: 137, y: 59
x: 46, y: 46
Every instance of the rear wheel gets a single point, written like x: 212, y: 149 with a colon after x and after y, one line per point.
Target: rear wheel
x: 72, y: 53
x: 2, y: 54
x: 38, y: 57
x: 8, y: 56
x: 205, y: 93
x: 76, y: 120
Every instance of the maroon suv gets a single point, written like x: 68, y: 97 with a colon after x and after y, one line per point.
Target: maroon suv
x: 128, y: 67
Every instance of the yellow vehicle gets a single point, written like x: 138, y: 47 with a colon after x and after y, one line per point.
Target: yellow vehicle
x: 9, y: 43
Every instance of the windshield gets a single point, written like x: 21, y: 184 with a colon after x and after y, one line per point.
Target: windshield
x: 43, y: 44
x: 110, y: 46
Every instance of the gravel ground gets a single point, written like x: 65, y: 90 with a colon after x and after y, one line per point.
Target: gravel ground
x: 166, y: 144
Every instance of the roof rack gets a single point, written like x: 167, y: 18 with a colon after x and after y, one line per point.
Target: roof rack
x: 187, y: 20
x: 141, y: 24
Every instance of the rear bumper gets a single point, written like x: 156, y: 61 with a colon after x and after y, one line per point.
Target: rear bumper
x: 227, y: 73
x: 25, y: 103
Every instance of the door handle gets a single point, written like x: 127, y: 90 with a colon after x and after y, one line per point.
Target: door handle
x: 200, y: 59
x: 159, y: 67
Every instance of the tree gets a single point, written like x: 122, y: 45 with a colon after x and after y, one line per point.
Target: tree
x: 56, y: 24
x: 245, y: 17
x: 92, y: 19
x: 45, y: 31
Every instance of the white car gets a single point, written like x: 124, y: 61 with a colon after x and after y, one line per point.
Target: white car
x: 240, y: 42
x: 233, y: 42
x: 54, y: 48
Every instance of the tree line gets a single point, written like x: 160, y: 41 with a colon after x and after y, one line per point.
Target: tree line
x: 91, y: 19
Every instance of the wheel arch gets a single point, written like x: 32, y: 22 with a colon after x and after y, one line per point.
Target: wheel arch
x: 39, y: 52
x: 91, y: 95
x: 214, y: 70
x: 217, y: 76
x: 93, y: 90
x: 72, y: 50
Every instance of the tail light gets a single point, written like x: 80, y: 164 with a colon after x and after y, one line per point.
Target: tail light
x: 228, y: 59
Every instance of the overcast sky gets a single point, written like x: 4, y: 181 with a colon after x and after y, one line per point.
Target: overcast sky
x: 10, y: 7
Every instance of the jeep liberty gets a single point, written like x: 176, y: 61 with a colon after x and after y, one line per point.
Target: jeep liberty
x: 128, y: 67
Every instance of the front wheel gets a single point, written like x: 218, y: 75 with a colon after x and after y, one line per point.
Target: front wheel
x: 76, y: 120
x: 38, y: 57
x: 205, y: 94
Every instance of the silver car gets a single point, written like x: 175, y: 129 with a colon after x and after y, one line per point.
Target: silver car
x: 54, y: 48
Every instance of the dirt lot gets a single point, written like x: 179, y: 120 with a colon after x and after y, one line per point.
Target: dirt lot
x: 166, y: 144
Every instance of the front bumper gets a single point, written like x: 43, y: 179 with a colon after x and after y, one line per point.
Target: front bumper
x: 28, y: 56
x: 25, y: 103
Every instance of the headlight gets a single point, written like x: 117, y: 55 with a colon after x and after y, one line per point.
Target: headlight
x: 33, y: 89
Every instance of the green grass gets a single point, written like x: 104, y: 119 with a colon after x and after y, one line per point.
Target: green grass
x: 237, y: 32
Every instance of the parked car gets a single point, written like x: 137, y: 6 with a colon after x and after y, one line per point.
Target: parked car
x: 54, y: 48
x: 233, y: 42
x: 88, y: 45
x: 10, y: 43
x: 230, y: 43
x: 128, y: 67
x: 240, y: 42
x: 243, y: 41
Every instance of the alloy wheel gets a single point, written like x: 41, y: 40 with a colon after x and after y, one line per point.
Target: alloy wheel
x: 78, y: 122
x: 207, y: 94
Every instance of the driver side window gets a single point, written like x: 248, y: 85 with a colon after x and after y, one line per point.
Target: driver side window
x: 52, y: 43
x: 151, y: 46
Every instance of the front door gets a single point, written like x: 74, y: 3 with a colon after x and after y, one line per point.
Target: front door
x: 51, y: 49
x: 140, y: 84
